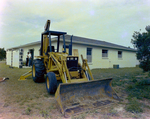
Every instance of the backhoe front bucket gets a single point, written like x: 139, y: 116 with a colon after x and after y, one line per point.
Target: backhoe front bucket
x: 75, y: 98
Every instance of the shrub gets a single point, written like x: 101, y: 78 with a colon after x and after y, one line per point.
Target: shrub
x: 143, y: 82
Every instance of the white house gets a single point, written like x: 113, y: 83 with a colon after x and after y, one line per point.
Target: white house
x: 100, y: 54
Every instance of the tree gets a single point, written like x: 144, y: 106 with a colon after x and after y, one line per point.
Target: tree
x: 2, y: 53
x: 141, y: 41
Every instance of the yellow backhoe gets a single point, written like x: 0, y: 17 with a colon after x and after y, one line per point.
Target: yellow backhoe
x: 78, y: 91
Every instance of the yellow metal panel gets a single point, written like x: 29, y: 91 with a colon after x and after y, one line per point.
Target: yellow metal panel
x: 24, y: 76
x: 74, y: 74
x: 78, y: 80
x: 75, y: 52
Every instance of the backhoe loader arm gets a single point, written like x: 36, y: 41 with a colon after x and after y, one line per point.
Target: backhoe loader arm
x: 47, y: 25
x: 85, y: 65
x: 62, y: 68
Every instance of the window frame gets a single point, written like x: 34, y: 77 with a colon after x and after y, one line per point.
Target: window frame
x: 120, y: 54
x: 89, y: 55
x: 105, y: 54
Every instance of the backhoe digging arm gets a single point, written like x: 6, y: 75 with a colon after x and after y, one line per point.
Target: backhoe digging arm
x: 24, y: 76
x: 85, y: 65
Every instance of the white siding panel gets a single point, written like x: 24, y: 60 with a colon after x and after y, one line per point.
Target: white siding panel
x: 8, y: 57
x: 16, y: 58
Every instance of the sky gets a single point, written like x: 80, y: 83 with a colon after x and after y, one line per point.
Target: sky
x: 22, y: 21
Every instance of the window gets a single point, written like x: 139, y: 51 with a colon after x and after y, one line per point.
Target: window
x: 105, y: 53
x: 89, y: 54
x: 119, y: 54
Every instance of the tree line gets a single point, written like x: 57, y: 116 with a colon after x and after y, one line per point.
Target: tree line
x: 141, y: 41
x: 2, y: 54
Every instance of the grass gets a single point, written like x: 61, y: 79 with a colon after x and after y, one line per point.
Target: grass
x: 28, y: 111
x: 139, y: 89
x: 81, y: 116
x: 130, y: 81
x: 134, y: 106
x: 44, y: 113
x: 131, y: 85
x: 27, y: 94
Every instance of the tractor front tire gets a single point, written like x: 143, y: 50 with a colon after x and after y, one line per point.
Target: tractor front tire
x: 38, y: 71
x: 51, y: 82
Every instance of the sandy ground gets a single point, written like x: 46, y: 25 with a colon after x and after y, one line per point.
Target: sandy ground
x: 13, y: 112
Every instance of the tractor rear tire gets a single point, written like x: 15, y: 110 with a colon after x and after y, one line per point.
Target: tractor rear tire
x: 38, y: 71
x: 51, y: 82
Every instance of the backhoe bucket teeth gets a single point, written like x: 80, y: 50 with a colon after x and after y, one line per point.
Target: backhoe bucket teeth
x: 75, y: 98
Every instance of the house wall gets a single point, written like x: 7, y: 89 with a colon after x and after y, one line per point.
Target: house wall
x: 26, y: 49
x: 128, y: 58
x: 15, y: 61
x: 12, y: 58
x: 36, y: 50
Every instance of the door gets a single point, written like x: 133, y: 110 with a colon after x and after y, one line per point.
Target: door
x: 32, y: 54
